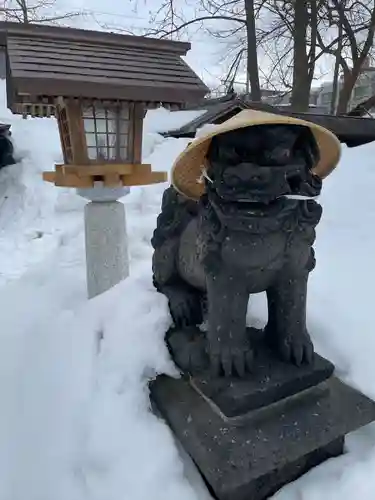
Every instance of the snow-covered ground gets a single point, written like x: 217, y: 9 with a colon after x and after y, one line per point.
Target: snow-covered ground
x: 75, y: 420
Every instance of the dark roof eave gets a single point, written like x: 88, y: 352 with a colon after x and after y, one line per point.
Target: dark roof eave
x: 8, y: 29
x: 151, y: 93
x: 352, y: 131
x: 211, y: 103
x: 207, y: 117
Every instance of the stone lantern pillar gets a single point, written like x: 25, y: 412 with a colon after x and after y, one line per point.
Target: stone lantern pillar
x: 107, y: 259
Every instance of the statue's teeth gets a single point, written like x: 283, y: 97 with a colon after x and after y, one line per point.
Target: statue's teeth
x: 299, y: 197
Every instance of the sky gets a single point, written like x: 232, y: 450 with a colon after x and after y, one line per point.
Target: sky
x: 208, y: 56
x: 133, y: 15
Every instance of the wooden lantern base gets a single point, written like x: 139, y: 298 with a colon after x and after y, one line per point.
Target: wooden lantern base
x: 111, y: 174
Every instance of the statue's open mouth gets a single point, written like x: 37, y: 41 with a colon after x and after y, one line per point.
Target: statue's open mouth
x: 299, y: 197
x: 253, y: 206
x: 257, y: 200
x: 262, y: 204
x: 266, y: 194
x: 242, y: 207
x: 262, y: 185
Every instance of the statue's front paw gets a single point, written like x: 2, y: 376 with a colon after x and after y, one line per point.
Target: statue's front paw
x: 296, y: 348
x: 188, y: 349
x: 185, y: 308
x: 230, y: 358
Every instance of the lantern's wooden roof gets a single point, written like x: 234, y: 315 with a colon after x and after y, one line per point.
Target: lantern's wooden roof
x: 55, y: 61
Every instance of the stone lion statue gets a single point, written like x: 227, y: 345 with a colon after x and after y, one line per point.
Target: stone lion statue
x: 239, y: 219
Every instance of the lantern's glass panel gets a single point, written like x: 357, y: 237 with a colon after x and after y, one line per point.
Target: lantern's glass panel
x: 112, y: 140
x: 101, y: 127
x: 123, y: 140
x: 91, y: 140
x: 88, y: 111
x: 89, y: 124
x: 124, y: 127
x: 107, y: 132
x: 112, y: 153
x: 100, y: 112
x: 112, y: 146
x: 111, y: 121
x: 124, y: 113
x: 92, y: 153
x: 101, y: 147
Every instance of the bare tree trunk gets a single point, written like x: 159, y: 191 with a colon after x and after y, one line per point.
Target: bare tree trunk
x: 252, y: 56
x: 301, y: 75
x: 336, y: 73
x: 346, y: 92
x: 358, y: 52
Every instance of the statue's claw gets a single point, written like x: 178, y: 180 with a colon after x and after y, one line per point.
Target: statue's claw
x: 231, y: 361
x: 185, y: 308
x: 296, y: 348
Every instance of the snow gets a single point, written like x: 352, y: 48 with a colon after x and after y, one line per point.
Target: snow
x: 76, y: 420
x: 162, y: 120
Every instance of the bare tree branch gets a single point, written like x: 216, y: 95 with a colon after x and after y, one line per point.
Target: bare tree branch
x: 353, y: 18
x: 40, y: 11
x: 164, y: 33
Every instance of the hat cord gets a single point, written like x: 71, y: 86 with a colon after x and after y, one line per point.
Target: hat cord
x: 204, y: 175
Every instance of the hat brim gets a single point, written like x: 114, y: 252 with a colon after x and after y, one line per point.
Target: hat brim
x: 187, y: 169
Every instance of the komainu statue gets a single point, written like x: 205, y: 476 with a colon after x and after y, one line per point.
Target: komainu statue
x: 239, y: 219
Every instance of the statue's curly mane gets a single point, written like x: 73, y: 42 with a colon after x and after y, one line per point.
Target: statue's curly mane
x: 211, y: 232
x: 176, y: 212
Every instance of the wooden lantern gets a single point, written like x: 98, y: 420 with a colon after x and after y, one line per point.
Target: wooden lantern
x: 100, y: 85
x: 101, y: 142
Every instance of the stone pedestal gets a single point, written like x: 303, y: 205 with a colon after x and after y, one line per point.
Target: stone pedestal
x: 105, y: 237
x: 106, y: 246
x: 250, y: 437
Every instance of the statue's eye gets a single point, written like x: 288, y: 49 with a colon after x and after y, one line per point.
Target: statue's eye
x: 230, y: 156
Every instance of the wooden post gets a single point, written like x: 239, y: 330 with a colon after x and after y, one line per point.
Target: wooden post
x: 139, y: 114
x: 76, y: 132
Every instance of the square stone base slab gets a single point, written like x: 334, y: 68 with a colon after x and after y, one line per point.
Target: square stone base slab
x: 272, y: 380
x: 251, y: 458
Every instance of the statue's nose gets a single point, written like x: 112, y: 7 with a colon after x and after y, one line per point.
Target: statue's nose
x: 255, y: 176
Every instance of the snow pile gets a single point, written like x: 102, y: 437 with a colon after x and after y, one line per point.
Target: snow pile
x: 27, y: 204
x: 341, y: 319
x: 162, y: 120
x: 76, y: 420
x: 73, y: 377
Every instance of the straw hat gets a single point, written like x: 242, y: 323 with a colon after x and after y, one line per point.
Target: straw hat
x: 188, y: 167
